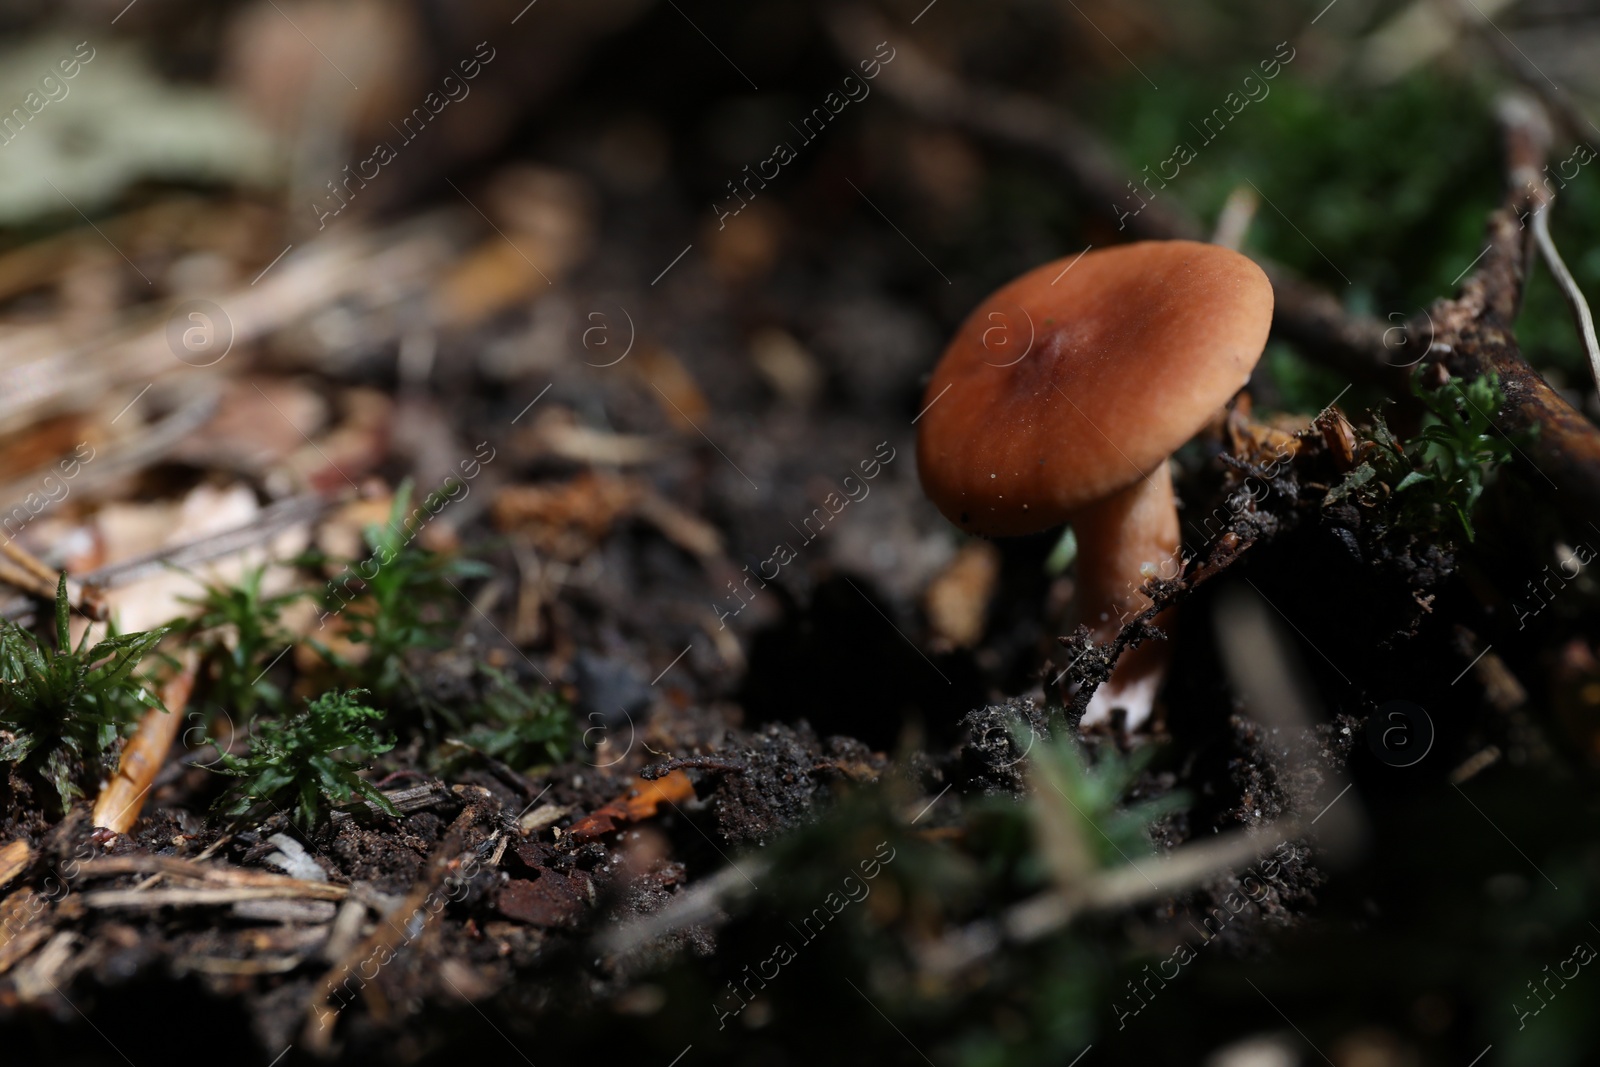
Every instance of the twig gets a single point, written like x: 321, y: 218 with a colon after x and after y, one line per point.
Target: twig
x: 273, y: 519
x: 1126, y: 886
x: 118, y: 806
x: 1526, y: 163
x: 25, y: 579
x: 30, y: 563
x: 207, y: 874
x: 154, y: 899
x: 21, y: 569
x: 1569, y: 289
x: 411, y: 799
x: 1237, y: 214
x: 1473, y: 333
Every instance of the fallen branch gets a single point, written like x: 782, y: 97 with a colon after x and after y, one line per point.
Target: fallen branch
x: 1473, y: 333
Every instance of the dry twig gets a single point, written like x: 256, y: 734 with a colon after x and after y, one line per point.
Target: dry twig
x: 1473, y: 333
x: 118, y: 806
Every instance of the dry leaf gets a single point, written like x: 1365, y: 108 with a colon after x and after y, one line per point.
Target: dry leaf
x: 259, y: 422
x: 566, y: 520
x: 639, y: 802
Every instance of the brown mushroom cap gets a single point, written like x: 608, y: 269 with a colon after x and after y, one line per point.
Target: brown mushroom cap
x: 1133, y: 349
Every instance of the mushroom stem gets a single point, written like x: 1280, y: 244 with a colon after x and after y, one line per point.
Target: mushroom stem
x: 1123, y: 540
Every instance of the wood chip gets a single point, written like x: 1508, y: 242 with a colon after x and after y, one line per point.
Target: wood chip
x: 543, y: 816
x: 14, y: 859
x: 957, y: 600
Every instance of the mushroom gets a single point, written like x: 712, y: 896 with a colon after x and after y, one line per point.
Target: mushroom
x: 1068, y: 389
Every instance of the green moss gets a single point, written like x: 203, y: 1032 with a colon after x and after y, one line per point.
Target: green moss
x: 521, y: 728
x: 308, y: 760
x: 63, y: 707
x: 1433, y: 481
x: 399, y: 599
x: 241, y: 635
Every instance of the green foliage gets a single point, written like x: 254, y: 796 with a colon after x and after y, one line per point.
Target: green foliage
x: 63, y: 707
x: 521, y: 728
x: 401, y: 606
x: 1438, y: 475
x: 1063, y: 554
x: 251, y: 618
x: 308, y: 759
x: 1379, y: 193
x: 1081, y: 818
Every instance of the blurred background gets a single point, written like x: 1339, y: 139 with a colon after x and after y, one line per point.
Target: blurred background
x: 681, y: 266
